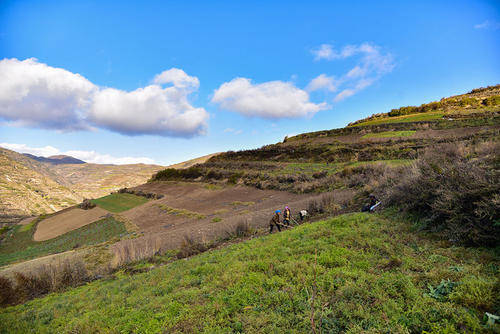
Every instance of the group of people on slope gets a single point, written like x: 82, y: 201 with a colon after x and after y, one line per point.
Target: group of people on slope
x: 287, y: 217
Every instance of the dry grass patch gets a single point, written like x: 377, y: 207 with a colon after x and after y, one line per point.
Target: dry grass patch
x: 180, y: 212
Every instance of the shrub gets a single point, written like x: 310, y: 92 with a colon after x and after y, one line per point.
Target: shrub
x: 320, y: 175
x: 242, y: 229
x: 7, y: 293
x: 42, y: 280
x: 170, y: 174
x: 132, y: 250
x: 86, y: 204
x: 190, y: 247
x: 455, y: 189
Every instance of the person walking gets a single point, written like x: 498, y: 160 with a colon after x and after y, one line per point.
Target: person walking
x: 275, y: 221
x: 286, y: 216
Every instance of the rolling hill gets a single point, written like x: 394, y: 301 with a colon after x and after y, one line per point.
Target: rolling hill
x: 411, y: 267
x: 56, y: 159
x: 32, y: 186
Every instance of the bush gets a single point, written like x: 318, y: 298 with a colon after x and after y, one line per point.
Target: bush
x: 7, y: 293
x: 190, y: 247
x: 455, y: 189
x: 42, y: 280
x: 171, y: 174
x: 86, y: 204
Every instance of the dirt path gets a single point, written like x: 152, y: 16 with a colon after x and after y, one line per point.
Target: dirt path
x: 66, y: 221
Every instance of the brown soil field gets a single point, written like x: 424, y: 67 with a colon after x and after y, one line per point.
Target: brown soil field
x: 227, y: 202
x: 231, y: 204
x: 66, y: 221
x: 202, y: 212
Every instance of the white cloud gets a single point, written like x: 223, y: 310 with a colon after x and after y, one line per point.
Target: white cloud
x: 151, y: 110
x: 178, y: 78
x: 488, y: 25
x: 371, y: 66
x: 45, y: 151
x: 87, y: 156
x: 344, y: 94
x: 38, y: 95
x: 273, y: 99
x: 34, y: 94
x: 322, y: 81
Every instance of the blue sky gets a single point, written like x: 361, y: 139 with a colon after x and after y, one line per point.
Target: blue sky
x: 245, y: 73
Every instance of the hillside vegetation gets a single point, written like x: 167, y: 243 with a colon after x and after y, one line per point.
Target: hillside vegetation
x: 19, y: 245
x: 355, y: 273
x: 31, y: 187
x: 320, y: 161
x: 189, y: 250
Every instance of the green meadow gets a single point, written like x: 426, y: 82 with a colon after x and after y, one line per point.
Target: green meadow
x: 355, y: 273
x: 19, y: 244
x: 389, y: 134
x: 119, y: 202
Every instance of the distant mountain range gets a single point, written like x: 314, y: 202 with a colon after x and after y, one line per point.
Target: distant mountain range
x: 32, y: 185
x: 56, y: 159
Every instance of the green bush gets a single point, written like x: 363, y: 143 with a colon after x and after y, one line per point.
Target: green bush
x: 172, y: 174
x: 492, y: 101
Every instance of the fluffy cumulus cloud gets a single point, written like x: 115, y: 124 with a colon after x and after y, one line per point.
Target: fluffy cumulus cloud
x: 178, y: 78
x: 87, y: 156
x: 273, y: 99
x: 152, y: 110
x: 35, y: 94
x: 372, y: 64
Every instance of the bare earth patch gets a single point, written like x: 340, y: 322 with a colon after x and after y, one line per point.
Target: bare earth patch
x: 213, y: 212
x: 67, y: 221
x: 26, y: 221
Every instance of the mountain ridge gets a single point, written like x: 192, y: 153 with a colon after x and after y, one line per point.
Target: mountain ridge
x: 55, y: 159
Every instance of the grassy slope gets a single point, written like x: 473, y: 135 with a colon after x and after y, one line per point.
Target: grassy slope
x: 389, y: 134
x: 19, y: 244
x: 119, y: 202
x: 369, y: 273
x: 428, y: 116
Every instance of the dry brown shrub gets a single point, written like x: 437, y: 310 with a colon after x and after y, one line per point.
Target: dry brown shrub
x: 190, y: 247
x: 133, y: 250
x: 454, y: 189
x: 7, y: 292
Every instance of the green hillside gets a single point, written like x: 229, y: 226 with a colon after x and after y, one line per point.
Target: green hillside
x: 323, y: 161
x: 355, y: 273
x: 427, y: 262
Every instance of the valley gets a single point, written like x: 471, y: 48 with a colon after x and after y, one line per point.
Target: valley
x: 186, y: 248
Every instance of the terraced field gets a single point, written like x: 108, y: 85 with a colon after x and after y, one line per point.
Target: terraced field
x: 118, y: 202
x: 19, y: 244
